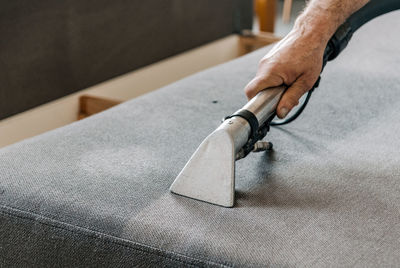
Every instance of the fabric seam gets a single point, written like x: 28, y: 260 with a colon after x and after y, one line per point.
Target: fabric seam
x: 13, y: 212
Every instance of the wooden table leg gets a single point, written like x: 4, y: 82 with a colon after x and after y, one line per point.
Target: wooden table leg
x: 287, y: 9
x: 266, y: 10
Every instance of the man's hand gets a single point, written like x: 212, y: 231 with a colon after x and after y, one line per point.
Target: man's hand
x: 296, y: 60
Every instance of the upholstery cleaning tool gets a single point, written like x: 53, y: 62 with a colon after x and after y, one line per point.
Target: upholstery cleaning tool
x: 210, y: 173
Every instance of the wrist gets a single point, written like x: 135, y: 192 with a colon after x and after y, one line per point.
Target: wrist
x: 313, y: 39
x: 316, y: 28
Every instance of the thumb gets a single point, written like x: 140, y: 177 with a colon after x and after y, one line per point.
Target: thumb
x: 291, y: 97
x: 260, y: 83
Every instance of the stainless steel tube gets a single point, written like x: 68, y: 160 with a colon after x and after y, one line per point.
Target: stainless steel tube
x: 263, y: 105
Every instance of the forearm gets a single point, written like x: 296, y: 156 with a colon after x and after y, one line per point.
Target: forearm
x: 321, y: 18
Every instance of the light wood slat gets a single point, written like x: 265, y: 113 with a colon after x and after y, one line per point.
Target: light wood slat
x: 89, y: 105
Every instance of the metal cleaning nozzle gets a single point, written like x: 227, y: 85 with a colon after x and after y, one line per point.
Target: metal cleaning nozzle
x: 209, y: 175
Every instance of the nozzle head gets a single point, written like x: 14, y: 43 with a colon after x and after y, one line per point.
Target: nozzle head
x: 209, y: 175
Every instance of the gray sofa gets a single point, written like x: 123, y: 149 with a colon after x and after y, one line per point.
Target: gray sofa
x: 95, y: 193
x: 53, y: 48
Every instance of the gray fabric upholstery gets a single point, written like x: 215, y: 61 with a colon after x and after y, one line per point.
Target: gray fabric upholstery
x: 95, y: 193
x: 53, y: 48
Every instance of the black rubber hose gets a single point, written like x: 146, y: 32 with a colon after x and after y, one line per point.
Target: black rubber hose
x: 343, y: 34
x: 341, y: 38
x: 371, y: 10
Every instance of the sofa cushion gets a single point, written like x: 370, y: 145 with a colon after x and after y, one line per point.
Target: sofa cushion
x: 96, y: 192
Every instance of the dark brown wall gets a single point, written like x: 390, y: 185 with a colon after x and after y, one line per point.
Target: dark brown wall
x: 49, y: 49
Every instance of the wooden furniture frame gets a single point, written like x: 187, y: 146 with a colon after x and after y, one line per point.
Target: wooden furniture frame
x: 266, y: 13
x: 248, y: 42
x: 86, y: 102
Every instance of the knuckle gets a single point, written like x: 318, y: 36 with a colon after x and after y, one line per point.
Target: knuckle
x: 257, y: 83
x: 264, y: 61
x: 251, y: 87
x: 262, y: 80
x: 285, y: 74
x: 288, y: 76
x: 247, y: 90
x: 267, y: 66
x: 275, y: 69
